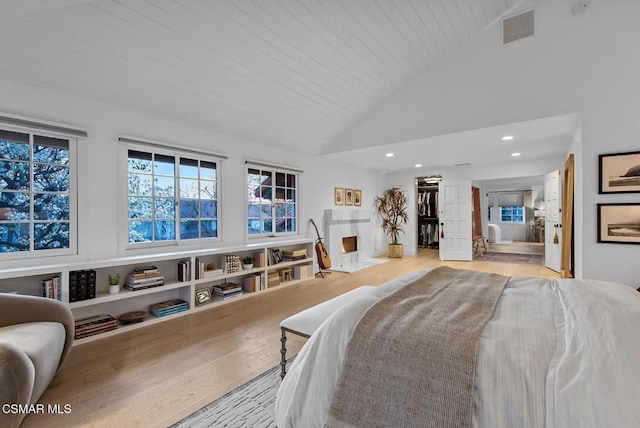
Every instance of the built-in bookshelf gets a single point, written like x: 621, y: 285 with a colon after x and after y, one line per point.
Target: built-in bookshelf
x: 181, y: 279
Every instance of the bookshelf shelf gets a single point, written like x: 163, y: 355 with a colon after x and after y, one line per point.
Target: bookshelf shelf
x: 104, y: 297
x: 29, y: 280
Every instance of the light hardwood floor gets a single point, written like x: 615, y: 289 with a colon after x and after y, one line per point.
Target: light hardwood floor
x: 155, y: 376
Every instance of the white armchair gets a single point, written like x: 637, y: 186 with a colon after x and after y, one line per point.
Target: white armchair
x: 35, y: 338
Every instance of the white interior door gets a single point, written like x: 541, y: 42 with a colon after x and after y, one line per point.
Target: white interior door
x: 455, y: 220
x: 552, y: 221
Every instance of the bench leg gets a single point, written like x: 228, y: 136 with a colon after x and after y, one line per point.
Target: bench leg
x: 283, y: 352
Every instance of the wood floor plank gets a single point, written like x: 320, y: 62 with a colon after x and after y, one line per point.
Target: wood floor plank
x: 155, y: 376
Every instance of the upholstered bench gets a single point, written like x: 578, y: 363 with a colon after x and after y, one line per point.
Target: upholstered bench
x: 306, y: 322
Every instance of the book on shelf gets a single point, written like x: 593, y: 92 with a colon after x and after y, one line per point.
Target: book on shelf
x: 275, y: 256
x: 52, y: 288
x: 258, y: 259
x: 145, y: 270
x: 184, y: 270
x: 299, y: 254
x: 93, y: 325
x: 168, y: 307
x: 212, y: 272
x: 224, y: 289
x: 273, y: 278
x: 134, y: 287
x: 230, y: 295
x: 206, y: 270
x: 144, y: 277
x: 251, y: 283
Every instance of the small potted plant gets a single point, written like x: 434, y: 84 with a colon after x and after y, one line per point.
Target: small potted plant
x: 114, y: 283
x: 247, y: 262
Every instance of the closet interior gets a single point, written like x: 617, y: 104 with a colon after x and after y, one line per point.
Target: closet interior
x: 427, y: 209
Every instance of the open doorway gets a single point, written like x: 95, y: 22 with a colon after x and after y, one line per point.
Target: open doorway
x: 514, y: 219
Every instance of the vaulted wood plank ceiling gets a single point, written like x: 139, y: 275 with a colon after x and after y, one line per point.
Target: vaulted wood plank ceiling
x: 289, y: 73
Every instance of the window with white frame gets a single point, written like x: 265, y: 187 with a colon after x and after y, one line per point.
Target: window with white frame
x: 272, y: 196
x: 37, y: 194
x: 513, y: 214
x: 171, y: 197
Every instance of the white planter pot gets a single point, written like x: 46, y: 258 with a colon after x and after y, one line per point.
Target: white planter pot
x: 247, y: 266
x: 113, y: 289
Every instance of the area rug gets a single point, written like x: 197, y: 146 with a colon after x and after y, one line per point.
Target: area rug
x: 250, y: 405
x: 531, y: 259
x: 518, y: 247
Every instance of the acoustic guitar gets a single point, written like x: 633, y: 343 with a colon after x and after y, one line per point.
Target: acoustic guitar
x: 321, y: 252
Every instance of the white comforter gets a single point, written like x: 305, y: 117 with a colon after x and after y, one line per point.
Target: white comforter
x: 557, y: 353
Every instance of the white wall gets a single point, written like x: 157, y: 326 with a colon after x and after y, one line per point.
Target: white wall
x: 100, y: 193
x: 587, y: 64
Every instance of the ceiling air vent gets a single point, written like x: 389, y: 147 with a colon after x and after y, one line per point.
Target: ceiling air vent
x: 517, y: 27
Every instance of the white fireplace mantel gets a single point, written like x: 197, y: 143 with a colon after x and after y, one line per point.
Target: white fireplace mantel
x: 345, y: 222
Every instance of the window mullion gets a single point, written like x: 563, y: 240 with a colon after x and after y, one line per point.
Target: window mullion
x: 176, y: 196
x: 32, y: 225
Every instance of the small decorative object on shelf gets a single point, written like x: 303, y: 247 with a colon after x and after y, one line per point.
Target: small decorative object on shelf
x: 144, y: 277
x: 232, y: 264
x: 114, y: 283
x: 203, y: 296
x: 132, y: 317
x: 247, y: 262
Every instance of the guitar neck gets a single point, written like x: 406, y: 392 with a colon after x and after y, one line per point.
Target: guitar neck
x: 316, y: 228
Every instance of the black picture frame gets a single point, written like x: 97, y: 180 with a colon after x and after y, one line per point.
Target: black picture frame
x: 619, y: 223
x: 203, y: 296
x: 619, y: 172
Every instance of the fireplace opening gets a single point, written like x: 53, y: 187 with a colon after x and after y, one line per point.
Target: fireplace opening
x: 349, y: 244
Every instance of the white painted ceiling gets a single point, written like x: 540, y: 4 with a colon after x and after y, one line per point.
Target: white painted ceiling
x: 289, y: 73
x: 544, y: 138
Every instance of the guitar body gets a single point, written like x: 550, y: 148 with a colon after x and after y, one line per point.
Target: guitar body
x: 324, y: 261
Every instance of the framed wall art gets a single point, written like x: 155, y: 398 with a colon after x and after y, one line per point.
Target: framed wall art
x: 338, y: 195
x: 348, y: 196
x: 620, y: 173
x: 357, y: 198
x: 619, y: 223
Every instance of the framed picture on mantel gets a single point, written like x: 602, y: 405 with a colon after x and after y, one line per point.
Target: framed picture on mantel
x: 620, y: 172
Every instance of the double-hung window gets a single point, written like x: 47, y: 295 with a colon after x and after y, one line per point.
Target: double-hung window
x: 171, y: 197
x: 272, y: 196
x: 37, y: 195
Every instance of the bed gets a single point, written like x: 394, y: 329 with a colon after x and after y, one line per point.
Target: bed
x: 495, y: 235
x: 554, y: 353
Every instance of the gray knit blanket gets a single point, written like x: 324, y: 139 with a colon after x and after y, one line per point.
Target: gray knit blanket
x: 411, y: 360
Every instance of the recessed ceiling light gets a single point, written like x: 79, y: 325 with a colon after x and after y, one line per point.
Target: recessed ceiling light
x: 515, y: 154
x: 507, y: 138
x: 418, y: 165
x: 389, y: 155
